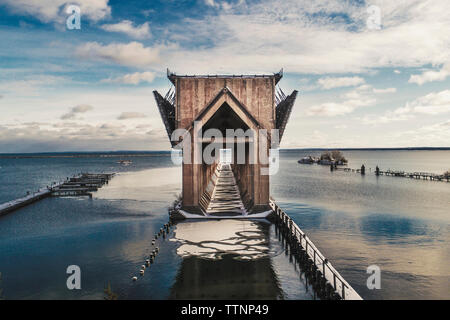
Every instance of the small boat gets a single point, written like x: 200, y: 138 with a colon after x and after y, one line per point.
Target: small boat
x: 326, y: 162
x: 307, y: 160
x: 125, y: 162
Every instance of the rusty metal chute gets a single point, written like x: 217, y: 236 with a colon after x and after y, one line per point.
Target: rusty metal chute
x: 283, y: 109
x: 166, y: 106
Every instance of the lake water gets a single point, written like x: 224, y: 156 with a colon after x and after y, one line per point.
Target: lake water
x: 401, y: 225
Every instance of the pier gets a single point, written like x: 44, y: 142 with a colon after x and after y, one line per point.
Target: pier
x: 81, y: 185
x: 24, y: 201
x: 226, y: 199
x: 325, y: 279
x: 402, y: 174
x: 238, y: 188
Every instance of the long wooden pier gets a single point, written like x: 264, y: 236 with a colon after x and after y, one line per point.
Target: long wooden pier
x: 326, y: 280
x: 402, y: 174
x: 226, y: 199
x: 80, y: 185
x: 24, y: 201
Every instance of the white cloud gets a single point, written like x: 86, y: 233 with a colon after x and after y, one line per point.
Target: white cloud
x: 210, y: 3
x: 388, y: 117
x: 70, y: 136
x: 84, y: 132
x: 126, y: 26
x: 331, y: 83
x: 351, y: 100
x: 431, y: 104
x: 130, y: 54
x: 331, y: 109
x: 30, y: 85
x: 312, y: 138
x: 82, y: 108
x: 365, y: 90
x: 130, y: 115
x: 223, y: 5
x: 387, y: 90
x: 298, y: 35
x: 435, y: 135
x: 72, y: 114
x: 431, y: 75
x: 111, y: 126
x: 54, y: 10
x: 133, y: 78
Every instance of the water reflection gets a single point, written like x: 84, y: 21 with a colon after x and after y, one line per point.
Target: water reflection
x: 412, y: 253
x: 156, y: 185
x: 227, y: 259
x: 212, y: 239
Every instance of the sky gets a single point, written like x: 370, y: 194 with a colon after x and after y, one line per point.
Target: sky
x: 369, y: 73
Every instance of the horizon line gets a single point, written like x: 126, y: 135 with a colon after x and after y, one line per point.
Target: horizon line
x: 281, y: 149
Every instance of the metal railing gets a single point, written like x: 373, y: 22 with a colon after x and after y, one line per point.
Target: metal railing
x: 332, y: 276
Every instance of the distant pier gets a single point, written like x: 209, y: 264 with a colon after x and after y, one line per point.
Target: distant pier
x: 403, y: 174
x: 80, y: 185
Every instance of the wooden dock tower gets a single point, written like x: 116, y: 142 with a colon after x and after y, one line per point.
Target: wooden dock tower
x: 224, y: 102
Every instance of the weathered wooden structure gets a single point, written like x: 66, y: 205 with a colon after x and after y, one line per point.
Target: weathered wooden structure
x: 221, y: 102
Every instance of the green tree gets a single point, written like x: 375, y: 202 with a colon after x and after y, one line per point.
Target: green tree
x: 338, y: 156
x: 325, y: 156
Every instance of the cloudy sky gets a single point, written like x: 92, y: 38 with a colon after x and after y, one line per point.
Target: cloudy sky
x: 365, y: 80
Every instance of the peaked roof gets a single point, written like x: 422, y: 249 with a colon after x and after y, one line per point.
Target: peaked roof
x: 222, y: 92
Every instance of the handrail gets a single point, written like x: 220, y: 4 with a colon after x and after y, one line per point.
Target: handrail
x: 342, y: 287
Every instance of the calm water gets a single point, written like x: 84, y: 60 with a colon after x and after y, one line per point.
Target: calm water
x: 109, y: 237
x: 401, y: 225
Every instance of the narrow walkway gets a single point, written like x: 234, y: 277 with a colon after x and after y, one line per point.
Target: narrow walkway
x: 226, y: 199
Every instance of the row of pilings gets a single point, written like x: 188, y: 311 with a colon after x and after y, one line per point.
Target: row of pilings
x: 298, y: 255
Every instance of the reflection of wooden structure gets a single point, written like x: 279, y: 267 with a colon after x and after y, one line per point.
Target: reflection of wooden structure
x: 226, y: 102
x: 226, y: 279
x: 232, y: 264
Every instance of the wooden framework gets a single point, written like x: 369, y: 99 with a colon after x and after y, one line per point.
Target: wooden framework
x: 250, y: 101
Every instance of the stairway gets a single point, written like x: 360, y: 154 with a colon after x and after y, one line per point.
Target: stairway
x: 226, y: 199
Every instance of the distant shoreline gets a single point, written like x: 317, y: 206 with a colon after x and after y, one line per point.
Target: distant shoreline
x: 371, y: 149
x: 84, y: 154
x: 125, y: 153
